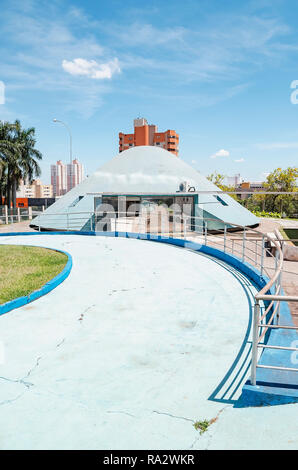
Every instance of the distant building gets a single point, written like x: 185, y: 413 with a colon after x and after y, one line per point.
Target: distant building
x: 235, y: 180
x: 58, y: 178
x: 244, y: 188
x: 24, y: 190
x: 35, y: 190
x: 248, y: 186
x: 75, y: 174
x: 65, y: 177
x: 146, y: 134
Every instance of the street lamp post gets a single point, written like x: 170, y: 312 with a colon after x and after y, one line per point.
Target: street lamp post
x: 70, y: 137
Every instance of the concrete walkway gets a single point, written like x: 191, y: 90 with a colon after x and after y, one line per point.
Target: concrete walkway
x: 234, y: 245
x: 17, y: 227
x: 139, y: 342
x: 267, y: 225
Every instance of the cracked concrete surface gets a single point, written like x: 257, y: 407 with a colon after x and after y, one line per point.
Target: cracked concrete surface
x: 143, y: 364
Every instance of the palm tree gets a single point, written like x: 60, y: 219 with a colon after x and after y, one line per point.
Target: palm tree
x: 26, y: 166
x: 3, y: 181
x: 19, y: 157
x: 8, y: 152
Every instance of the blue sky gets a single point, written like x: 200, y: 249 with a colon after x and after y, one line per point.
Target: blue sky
x: 219, y: 73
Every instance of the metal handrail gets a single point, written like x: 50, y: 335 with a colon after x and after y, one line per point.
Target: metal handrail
x: 241, y: 246
x: 263, y: 294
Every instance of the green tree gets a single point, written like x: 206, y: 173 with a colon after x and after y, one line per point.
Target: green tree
x: 282, y: 181
x: 218, y: 179
x: 8, y: 151
x: 18, y: 157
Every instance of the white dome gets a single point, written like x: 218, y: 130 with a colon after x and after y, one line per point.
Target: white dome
x: 146, y: 170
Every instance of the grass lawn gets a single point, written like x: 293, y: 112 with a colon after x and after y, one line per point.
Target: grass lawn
x: 291, y: 234
x: 24, y: 269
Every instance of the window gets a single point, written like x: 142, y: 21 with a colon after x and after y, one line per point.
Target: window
x: 221, y: 201
x: 75, y: 202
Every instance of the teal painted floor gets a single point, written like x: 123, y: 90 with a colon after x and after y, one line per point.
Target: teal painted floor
x: 138, y: 343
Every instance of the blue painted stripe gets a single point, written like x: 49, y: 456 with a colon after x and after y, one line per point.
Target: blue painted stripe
x: 45, y: 289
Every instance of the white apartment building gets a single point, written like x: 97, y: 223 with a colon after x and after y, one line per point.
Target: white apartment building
x: 235, y: 180
x: 36, y: 189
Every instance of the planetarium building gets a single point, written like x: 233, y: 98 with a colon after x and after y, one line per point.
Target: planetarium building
x: 137, y: 185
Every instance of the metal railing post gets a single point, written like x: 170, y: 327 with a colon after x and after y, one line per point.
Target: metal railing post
x: 277, y: 287
x: 255, y: 340
x: 6, y: 214
x: 243, y: 244
x: 262, y: 254
x: 279, y: 282
x: 19, y: 214
x: 256, y: 260
x: 276, y: 320
x: 275, y: 268
x: 225, y: 237
x: 206, y: 228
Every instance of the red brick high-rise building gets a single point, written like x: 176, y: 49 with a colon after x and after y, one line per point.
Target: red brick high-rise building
x: 146, y: 134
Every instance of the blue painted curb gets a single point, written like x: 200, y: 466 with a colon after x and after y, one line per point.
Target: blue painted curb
x: 45, y: 289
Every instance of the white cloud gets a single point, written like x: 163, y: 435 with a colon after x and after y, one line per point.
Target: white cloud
x: 214, y: 51
x: 91, y: 68
x: 41, y: 42
x: 239, y: 160
x: 44, y: 38
x: 142, y: 34
x: 220, y: 153
x: 277, y: 145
